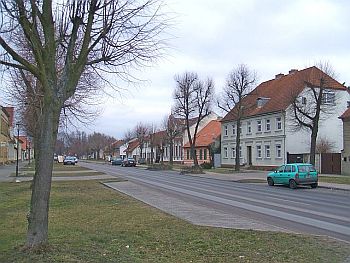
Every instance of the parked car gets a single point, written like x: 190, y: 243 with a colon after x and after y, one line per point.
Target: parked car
x: 76, y: 159
x: 293, y: 175
x: 69, y: 160
x: 127, y: 162
x: 116, y: 161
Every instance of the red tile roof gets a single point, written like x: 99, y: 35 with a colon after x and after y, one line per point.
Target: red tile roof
x: 345, y: 115
x: 208, y: 134
x: 117, y: 143
x: 280, y: 90
x: 132, y: 145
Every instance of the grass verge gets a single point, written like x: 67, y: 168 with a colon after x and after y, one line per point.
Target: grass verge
x: 91, y: 223
x: 64, y: 173
x: 335, y: 179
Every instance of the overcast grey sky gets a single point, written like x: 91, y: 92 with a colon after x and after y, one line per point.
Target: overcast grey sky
x: 212, y: 37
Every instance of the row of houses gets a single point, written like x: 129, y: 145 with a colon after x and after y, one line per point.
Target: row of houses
x: 157, y: 148
x: 268, y: 134
x: 9, y: 139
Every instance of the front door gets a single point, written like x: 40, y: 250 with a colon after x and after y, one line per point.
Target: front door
x: 249, y: 155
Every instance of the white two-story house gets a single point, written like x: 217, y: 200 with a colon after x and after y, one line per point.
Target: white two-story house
x: 268, y: 137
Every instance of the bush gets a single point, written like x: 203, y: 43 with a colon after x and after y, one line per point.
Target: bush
x: 206, y: 165
x: 159, y: 167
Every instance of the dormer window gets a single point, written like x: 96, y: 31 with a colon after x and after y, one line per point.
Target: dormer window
x: 261, y: 101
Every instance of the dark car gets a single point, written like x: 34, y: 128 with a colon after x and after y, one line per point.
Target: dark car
x: 117, y: 161
x: 129, y: 162
x: 69, y: 160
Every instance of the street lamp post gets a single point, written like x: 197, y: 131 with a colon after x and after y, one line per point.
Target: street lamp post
x: 29, y: 151
x: 17, y: 124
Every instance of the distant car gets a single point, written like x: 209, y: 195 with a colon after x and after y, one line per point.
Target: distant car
x: 116, y: 161
x: 69, y: 160
x: 76, y: 159
x: 293, y: 175
x: 129, y: 162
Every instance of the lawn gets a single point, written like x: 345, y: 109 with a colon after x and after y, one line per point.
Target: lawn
x: 56, y: 167
x: 341, y: 179
x: 91, y: 223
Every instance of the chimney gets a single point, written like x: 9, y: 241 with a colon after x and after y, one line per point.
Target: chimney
x: 278, y: 76
x: 292, y: 71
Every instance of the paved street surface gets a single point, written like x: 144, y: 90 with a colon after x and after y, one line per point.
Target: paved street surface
x: 223, y: 203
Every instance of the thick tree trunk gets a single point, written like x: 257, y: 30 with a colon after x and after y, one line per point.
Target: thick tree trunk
x: 194, y: 155
x: 171, y: 151
x: 313, y: 147
x: 238, y: 142
x: 37, y: 233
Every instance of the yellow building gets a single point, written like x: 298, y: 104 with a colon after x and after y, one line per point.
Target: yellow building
x: 5, y: 134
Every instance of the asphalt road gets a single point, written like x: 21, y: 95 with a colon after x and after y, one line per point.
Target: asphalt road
x: 304, y: 210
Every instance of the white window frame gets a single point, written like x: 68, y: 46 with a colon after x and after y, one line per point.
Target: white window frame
x: 225, y: 152
x: 233, y: 152
x: 278, y: 150
x: 240, y: 152
x: 267, y: 151
x: 278, y: 123
x: 249, y: 127
x: 259, y: 151
x: 267, y: 125
x: 259, y: 126
x: 328, y: 97
x: 226, y: 130
x: 233, y: 129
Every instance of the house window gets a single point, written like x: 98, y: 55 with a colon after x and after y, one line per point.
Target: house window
x: 233, y: 129
x: 258, y: 128
x: 258, y: 151
x: 226, y: 130
x: 267, y: 125
x: 328, y: 97
x: 205, y: 154
x: 278, y: 151
x: 278, y: 123
x: 303, y: 100
x: 240, y: 151
x: 225, y: 152
x: 233, y: 152
x: 267, y: 151
x: 249, y: 127
x: 200, y: 154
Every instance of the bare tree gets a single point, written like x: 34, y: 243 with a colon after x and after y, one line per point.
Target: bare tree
x: 66, y: 40
x: 324, y: 145
x: 152, y: 130
x: 193, y: 98
x: 98, y: 141
x: 314, y: 103
x: 239, y: 83
x: 128, y: 135
x: 141, y: 132
x: 173, y: 128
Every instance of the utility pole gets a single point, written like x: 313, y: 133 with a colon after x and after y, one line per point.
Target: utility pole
x: 17, y: 180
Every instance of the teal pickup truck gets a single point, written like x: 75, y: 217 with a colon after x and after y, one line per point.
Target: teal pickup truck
x: 294, y: 174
